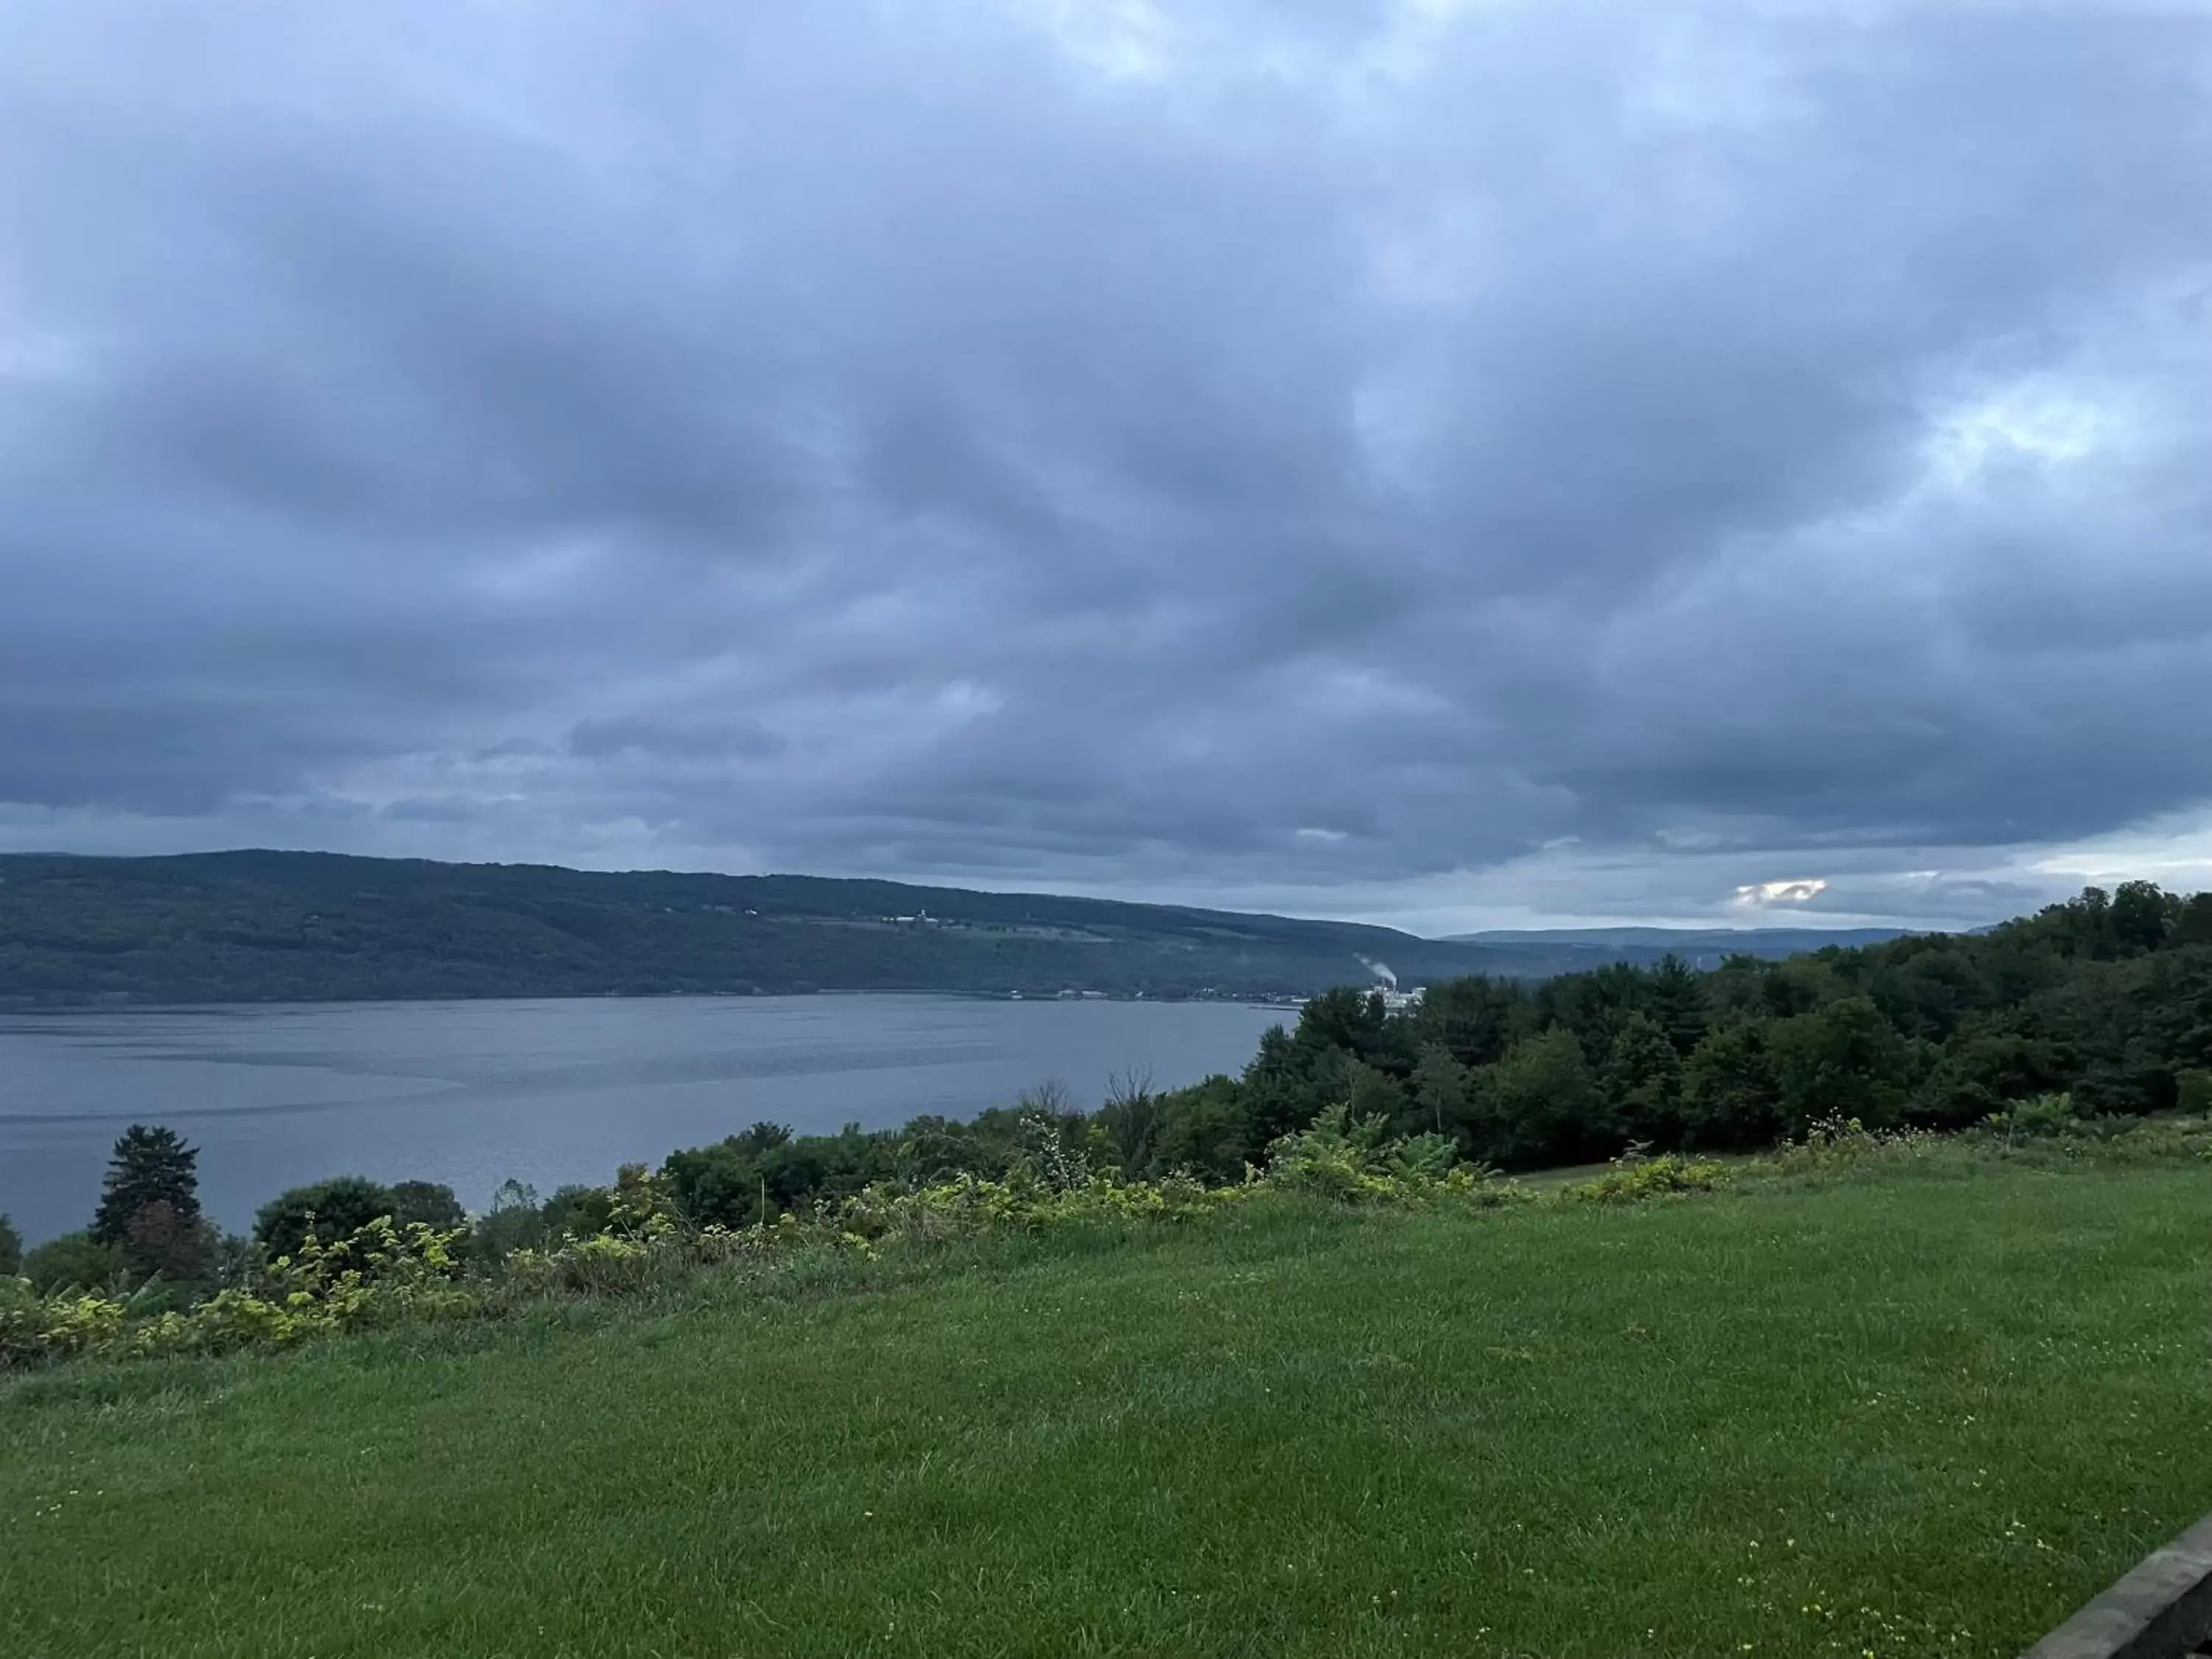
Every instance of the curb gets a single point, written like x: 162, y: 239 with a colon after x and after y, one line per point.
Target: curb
x: 2161, y: 1610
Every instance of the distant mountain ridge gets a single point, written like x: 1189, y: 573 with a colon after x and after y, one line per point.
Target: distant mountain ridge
x: 1753, y: 941
x: 1700, y: 947
x: 254, y: 926
x: 251, y: 926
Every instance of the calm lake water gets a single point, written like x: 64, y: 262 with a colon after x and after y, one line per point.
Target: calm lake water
x: 547, y: 1091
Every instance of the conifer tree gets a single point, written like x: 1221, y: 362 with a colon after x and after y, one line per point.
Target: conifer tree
x: 149, y: 1165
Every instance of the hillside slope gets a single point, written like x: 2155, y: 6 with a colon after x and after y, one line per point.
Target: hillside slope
x: 1700, y: 947
x: 261, y: 925
x: 1927, y: 1414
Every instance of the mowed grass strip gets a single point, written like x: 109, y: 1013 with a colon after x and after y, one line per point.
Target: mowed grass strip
x: 1906, y: 1415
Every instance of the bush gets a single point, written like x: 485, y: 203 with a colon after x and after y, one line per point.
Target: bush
x: 430, y: 1202
x: 514, y: 1222
x: 1049, y: 1142
x: 11, y: 1248
x: 578, y: 1212
x: 22, y: 1325
x: 1835, y: 1143
x: 1634, y: 1178
x: 2192, y: 1091
x: 1350, y: 1160
x: 332, y: 1209
x: 2041, y: 1117
x: 599, y: 1265
x: 381, y: 1275
x: 74, y: 1261
x: 35, y: 1328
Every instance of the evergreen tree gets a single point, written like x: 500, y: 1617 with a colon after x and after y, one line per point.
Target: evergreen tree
x: 149, y: 1166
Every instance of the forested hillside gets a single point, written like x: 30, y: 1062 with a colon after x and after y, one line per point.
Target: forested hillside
x: 2106, y: 999
x: 2092, y: 1013
x: 256, y: 925
x: 2070, y: 1024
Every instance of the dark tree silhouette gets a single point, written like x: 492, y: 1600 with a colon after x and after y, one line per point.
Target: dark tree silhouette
x: 149, y: 1165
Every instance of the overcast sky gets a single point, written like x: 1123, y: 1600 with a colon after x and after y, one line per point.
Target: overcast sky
x: 1454, y: 462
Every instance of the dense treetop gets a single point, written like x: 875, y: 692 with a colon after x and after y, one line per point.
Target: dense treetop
x: 2105, y: 1000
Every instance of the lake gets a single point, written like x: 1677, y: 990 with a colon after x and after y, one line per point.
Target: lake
x: 546, y: 1091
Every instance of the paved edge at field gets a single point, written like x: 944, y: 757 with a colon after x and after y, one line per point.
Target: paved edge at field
x: 2161, y: 1610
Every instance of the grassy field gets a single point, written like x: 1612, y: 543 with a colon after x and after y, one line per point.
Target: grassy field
x: 1929, y: 1412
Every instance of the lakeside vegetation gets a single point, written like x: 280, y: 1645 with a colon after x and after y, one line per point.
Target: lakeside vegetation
x: 1877, y: 1327
x: 2090, y: 1014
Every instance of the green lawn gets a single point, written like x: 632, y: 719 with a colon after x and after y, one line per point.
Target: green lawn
x: 1925, y: 1414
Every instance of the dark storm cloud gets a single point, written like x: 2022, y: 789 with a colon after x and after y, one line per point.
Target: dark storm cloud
x: 1396, y: 457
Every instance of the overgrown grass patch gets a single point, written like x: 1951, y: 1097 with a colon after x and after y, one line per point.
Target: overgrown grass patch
x: 1884, y: 1413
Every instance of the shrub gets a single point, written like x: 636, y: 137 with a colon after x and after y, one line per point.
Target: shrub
x: 22, y: 1324
x: 1634, y: 1178
x: 382, y: 1255
x: 578, y: 1212
x: 235, y: 1319
x: 605, y: 1263
x: 11, y: 1248
x: 81, y: 1323
x: 642, y: 1204
x: 514, y: 1222
x: 35, y: 1328
x: 1050, y: 1139
x: 1836, y: 1142
x: 942, y: 1210
x: 333, y: 1209
x: 1350, y: 1159
x: 74, y: 1261
x: 430, y: 1202
x: 2193, y: 1093
x: 382, y: 1274
x: 235, y: 1260
x: 2040, y: 1117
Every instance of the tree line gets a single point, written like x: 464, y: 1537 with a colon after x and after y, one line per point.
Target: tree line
x: 2105, y: 999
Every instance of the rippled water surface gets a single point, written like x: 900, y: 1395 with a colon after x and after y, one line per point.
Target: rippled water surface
x: 473, y: 1092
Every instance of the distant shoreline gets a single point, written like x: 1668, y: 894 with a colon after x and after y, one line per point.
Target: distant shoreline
x: 14, y: 1005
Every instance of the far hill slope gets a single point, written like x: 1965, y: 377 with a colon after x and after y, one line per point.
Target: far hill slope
x: 1701, y: 947
x: 263, y: 926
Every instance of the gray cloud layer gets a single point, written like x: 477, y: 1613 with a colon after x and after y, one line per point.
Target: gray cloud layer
x: 1429, y: 459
